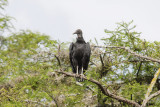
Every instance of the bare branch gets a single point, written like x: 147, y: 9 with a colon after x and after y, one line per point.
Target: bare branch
x: 150, y: 89
x: 59, y: 62
x: 139, y: 68
x: 130, y: 51
x: 30, y: 101
x: 150, y: 97
x: 101, y: 60
x: 104, y: 90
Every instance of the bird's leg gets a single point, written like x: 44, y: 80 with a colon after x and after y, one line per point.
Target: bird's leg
x: 77, y: 70
x: 82, y: 74
x: 77, y: 74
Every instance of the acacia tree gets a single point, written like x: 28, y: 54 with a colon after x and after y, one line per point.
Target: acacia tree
x: 35, y: 70
x: 31, y: 63
x: 140, y: 64
x: 27, y: 62
x: 128, y: 65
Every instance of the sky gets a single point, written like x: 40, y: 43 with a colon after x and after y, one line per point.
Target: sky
x: 60, y: 18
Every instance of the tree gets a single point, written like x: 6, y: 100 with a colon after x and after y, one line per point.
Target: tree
x: 35, y: 70
x: 130, y: 67
x: 130, y: 64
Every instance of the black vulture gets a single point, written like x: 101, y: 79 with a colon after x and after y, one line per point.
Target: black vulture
x: 79, y: 54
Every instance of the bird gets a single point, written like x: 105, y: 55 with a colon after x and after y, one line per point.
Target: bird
x: 79, y: 54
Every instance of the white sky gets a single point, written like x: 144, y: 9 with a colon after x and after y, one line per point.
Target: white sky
x: 60, y: 18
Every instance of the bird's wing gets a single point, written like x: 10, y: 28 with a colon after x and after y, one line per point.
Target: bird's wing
x: 87, y: 56
x: 88, y: 49
x: 71, y: 51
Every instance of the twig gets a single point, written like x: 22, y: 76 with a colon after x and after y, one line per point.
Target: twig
x: 30, y: 101
x: 77, y: 83
x: 139, y: 69
x: 54, y: 99
x: 59, y: 62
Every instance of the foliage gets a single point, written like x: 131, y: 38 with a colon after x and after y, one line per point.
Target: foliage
x: 27, y: 72
x: 29, y: 62
x: 133, y: 73
x: 5, y: 23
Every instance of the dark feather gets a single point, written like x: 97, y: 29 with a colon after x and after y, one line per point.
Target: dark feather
x: 79, y: 54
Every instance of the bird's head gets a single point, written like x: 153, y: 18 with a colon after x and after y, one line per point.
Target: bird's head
x: 78, y: 32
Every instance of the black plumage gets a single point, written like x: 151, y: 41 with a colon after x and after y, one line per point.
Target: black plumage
x: 79, y: 53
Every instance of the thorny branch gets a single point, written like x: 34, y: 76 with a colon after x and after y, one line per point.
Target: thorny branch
x: 104, y: 90
x: 130, y: 51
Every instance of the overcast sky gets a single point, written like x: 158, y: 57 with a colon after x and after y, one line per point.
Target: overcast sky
x: 60, y: 18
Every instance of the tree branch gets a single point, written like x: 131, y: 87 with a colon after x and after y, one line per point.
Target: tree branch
x: 59, y: 62
x: 130, y: 51
x: 139, y: 68
x: 150, y: 97
x: 104, y: 90
x: 147, y: 97
x: 30, y: 101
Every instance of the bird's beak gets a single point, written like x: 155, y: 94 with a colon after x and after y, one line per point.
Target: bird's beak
x: 74, y: 33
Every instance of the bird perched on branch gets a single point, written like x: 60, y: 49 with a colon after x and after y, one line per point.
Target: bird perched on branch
x: 79, y: 53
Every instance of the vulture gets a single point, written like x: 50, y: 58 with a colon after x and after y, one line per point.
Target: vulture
x: 79, y: 54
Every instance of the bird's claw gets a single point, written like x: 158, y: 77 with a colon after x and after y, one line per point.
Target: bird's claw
x: 81, y: 75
